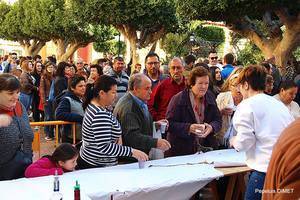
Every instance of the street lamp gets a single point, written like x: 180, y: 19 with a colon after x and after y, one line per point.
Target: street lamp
x: 192, y: 41
x: 192, y: 38
x: 119, y: 45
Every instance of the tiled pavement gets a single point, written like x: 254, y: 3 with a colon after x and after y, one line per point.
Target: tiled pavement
x: 47, y: 147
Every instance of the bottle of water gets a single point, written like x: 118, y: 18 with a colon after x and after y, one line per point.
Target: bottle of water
x: 56, y: 194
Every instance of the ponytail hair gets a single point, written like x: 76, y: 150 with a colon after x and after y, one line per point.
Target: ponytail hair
x: 63, y: 152
x: 104, y: 83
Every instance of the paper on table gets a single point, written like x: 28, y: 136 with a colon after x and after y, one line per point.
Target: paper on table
x: 226, y: 158
x: 219, y: 158
x: 100, y: 183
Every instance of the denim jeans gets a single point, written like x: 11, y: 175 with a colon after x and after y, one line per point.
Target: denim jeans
x: 255, y: 186
x: 49, y: 117
x: 26, y: 100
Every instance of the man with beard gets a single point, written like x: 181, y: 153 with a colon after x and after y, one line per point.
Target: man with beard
x: 167, y: 89
x: 152, y: 64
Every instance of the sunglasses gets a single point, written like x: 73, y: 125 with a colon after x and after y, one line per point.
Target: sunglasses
x: 214, y: 58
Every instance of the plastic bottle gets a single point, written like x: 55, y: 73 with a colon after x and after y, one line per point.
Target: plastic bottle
x: 56, y: 193
x: 77, y: 191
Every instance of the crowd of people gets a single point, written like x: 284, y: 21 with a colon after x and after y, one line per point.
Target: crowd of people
x: 207, y: 105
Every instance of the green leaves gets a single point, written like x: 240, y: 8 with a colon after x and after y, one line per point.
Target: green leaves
x: 138, y: 14
x: 210, y: 33
x: 250, y: 55
x: 230, y: 10
x: 111, y: 46
x: 176, y: 44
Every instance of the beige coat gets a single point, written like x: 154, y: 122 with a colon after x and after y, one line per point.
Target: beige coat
x: 224, y: 100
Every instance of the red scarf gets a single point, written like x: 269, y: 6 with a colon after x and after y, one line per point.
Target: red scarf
x: 16, y: 111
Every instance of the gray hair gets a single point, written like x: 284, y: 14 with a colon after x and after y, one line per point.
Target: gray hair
x: 177, y: 58
x: 136, y: 81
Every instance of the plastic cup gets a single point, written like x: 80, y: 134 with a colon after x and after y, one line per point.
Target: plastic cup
x: 163, y: 126
x: 142, y: 164
x: 198, y: 131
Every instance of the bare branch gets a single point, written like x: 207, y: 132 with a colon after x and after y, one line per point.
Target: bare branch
x: 27, y: 42
x: 252, y: 26
x: 38, y: 47
x: 120, y: 29
x: 143, y: 35
x: 273, y: 28
x: 248, y: 30
x: 34, y: 42
x: 285, y: 17
x: 22, y: 43
x: 153, y: 37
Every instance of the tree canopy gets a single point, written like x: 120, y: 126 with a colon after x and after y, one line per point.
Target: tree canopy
x: 205, y: 38
x: 34, y: 22
x: 280, y: 18
x: 14, y: 26
x: 150, y: 19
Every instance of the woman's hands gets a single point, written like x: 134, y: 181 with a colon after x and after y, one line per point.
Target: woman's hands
x: 197, y: 129
x: 201, y: 130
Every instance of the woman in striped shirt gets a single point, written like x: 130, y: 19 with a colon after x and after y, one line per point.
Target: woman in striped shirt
x: 101, y: 131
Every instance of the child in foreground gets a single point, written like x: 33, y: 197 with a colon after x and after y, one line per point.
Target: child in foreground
x: 63, y: 159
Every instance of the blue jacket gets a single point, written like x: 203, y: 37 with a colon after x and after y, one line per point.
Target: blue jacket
x: 65, y: 112
x: 227, y: 69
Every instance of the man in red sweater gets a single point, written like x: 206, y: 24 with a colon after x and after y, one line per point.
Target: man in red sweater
x: 166, y: 90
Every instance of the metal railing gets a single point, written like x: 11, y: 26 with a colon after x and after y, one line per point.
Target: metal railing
x: 36, y: 144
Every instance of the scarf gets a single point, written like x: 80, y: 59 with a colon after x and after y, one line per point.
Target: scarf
x: 16, y: 111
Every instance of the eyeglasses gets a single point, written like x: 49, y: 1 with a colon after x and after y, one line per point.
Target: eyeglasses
x: 152, y: 63
x: 176, y: 67
x: 214, y: 58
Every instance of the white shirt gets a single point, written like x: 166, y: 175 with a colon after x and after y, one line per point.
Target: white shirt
x: 293, y: 107
x: 259, y: 121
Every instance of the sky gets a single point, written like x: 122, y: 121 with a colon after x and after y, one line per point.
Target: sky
x: 10, y: 1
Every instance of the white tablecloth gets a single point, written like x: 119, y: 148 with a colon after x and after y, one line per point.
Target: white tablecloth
x: 161, y: 181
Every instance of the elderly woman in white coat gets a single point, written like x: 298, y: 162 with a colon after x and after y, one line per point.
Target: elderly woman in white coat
x: 227, y: 102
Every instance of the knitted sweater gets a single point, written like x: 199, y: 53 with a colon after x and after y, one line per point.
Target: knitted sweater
x: 9, y: 137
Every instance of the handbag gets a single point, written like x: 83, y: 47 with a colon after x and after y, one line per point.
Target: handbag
x: 15, y: 168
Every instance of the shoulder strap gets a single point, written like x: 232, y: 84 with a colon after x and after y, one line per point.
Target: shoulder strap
x: 69, y: 98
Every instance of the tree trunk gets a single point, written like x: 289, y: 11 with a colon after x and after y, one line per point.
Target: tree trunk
x: 133, y: 50
x: 61, y: 47
x: 130, y: 34
x: 71, y: 50
x: 64, y: 50
x: 33, y: 47
x: 153, y: 47
x: 147, y: 38
x: 280, y: 45
x: 285, y: 48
